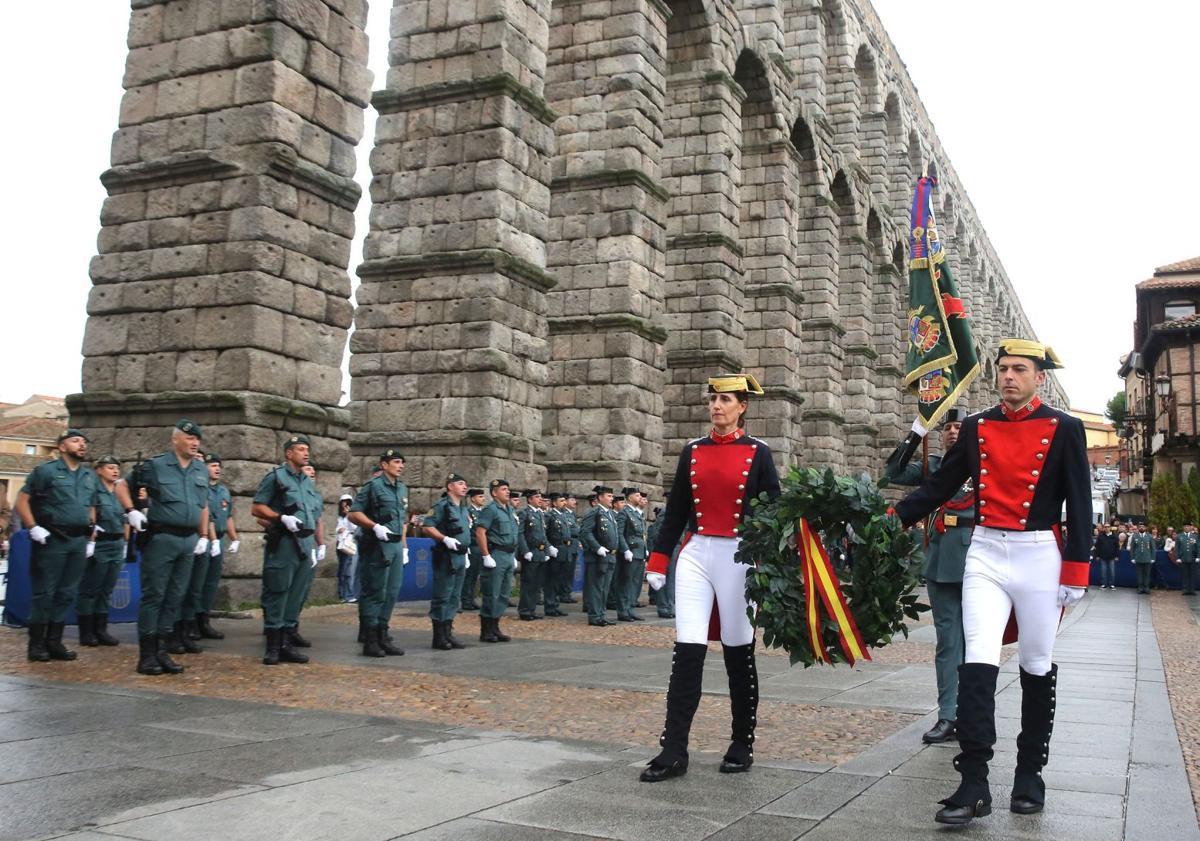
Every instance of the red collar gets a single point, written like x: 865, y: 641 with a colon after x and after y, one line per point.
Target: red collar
x: 1024, y: 412
x: 727, y: 439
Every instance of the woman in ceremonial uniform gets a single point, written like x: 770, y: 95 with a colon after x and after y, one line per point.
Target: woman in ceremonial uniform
x: 716, y: 479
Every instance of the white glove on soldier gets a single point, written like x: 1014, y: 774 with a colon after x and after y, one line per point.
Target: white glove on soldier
x: 528, y: 556
x: 214, y: 548
x: 382, y: 532
x: 91, y: 549
x: 404, y: 556
x: 38, y: 534
x: 233, y: 547
x: 489, y: 562
x: 552, y: 551
x: 451, y: 544
x: 628, y: 555
x: 321, y: 552
x: 289, y: 522
x: 313, y: 555
x: 516, y: 565
x: 136, y: 519
x: 656, y: 580
x: 602, y: 552
x: 1067, y: 596
x: 201, y: 546
x: 468, y: 560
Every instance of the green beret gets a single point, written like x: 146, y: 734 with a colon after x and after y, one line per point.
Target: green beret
x: 72, y: 432
x: 189, y: 427
x: 212, y: 458
x: 391, y: 453
x: 103, y: 460
x: 294, y: 440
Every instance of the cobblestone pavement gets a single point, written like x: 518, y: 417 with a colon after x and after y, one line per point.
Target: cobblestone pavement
x: 1178, y: 634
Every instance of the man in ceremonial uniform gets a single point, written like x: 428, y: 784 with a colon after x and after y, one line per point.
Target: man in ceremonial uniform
x: 175, y: 532
x: 1026, y: 460
x: 497, y: 534
x: 664, y: 596
x: 1143, y: 548
x: 449, y: 524
x: 558, y: 532
x: 105, y: 558
x: 945, y: 558
x: 206, y: 570
x: 381, y: 508
x: 476, y: 500
x: 566, y: 591
x: 1185, y: 556
x: 289, y: 503
x: 631, y: 570
x: 602, y: 543
x: 58, y: 506
x: 534, y: 548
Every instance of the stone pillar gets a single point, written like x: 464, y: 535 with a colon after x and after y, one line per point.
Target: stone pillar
x: 220, y: 290
x: 450, y: 346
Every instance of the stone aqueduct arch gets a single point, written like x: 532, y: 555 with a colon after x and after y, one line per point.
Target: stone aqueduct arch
x: 579, y: 211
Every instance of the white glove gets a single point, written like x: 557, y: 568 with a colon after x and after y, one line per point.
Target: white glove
x: 656, y: 579
x: 516, y: 565
x: 468, y: 560
x: 214, y: 548
x: 136, y: 519
x: 233, y: 547
x: 38, y: 534
x: 382, y: 532
x: 313, y: 554
x: 99, y: 529
x: 489, y: 562
x: 628, y: 554
x: 553, y: 551
x: 404, y: 556
x: 321, y: 552
x: 91, y: 549
x: 528, y: 556
x: 1067, y: 596
x: 201, y: 546
x: 602, y: 552
x: 289, y: 522
x: 451, y: 544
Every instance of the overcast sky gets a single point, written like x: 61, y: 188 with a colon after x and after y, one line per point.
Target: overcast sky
x: 1073, y: 127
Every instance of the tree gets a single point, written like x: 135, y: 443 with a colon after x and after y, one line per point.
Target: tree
x: 1114, y: 410
x: 1171, y: 504
x: 1193, y: 483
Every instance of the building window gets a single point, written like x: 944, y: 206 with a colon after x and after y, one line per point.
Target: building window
x: 31, y: 449
x: 1178, y: 309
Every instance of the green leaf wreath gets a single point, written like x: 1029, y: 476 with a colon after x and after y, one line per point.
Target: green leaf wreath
x: 878, y: 583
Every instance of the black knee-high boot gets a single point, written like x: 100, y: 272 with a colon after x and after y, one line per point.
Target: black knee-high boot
x: 976, y: 735
x: 743, y: 704
x: 1033, y: 744
x: 683, y: 697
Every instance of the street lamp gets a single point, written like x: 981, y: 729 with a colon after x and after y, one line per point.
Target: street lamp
x: 1162, y: 386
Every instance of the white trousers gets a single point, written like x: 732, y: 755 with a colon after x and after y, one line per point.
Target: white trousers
x: 706, y: 570
x: 1012, y: 571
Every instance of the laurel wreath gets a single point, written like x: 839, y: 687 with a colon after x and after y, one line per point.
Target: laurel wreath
x: 879, y: 569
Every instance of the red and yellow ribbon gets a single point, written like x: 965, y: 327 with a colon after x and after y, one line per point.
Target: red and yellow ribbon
x: 819, y: 575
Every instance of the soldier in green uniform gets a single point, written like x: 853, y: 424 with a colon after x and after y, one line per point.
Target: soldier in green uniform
x: 381, y: 509
x: 206, y: 569
x: 664, y: 596
x: 475, y: 503
x: 58, y: 506
x: 558, y: 533
x: 1185, y: 556
x: 497, y: 534
x: 288, y: 502
x: 632, y: 569
x: 602, y: 543
x: 105, y: 557
x: 566, y: 587
x: 1143, y: 548
x: 949, y: 534
x: 449, y: 523
x: 532, y: 546
x: 174, y: 531
x: 298, y: 596
x: 611, y: 599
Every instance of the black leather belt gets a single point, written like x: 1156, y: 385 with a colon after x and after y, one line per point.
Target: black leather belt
x: 177, y: 531
x: 69, y: 531
x: 304, y: 532
x: 109, y: 536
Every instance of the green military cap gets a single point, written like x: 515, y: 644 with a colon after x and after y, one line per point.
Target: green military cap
x: 189, y: 427
x: 602, y: 489
x: 475, y: 492
x: 391, y: 453
x: 629, y: 491
x: 294, y: 440
x: 103, y: 460
x: 454, y: 477
x: 591, y: 497
x: 515, y: 494
x: 212, y: 458
x: 529, y: 493
x: 954, y: 415
x: 71, y: 432
x: 496, y: 483
x: 555, y: 495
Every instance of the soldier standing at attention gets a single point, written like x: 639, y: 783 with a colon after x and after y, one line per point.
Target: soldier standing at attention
x: 558, y: 532
x: 532, y: 545
x: 566, y: 593
x: 58, y: 506
x: 1143, y: 548
x: 176, y: 529
x: 106, y: 556
x: 475, y: 504
x: 381, y: 508
x: 945, y: 561
x: 1185, y: 556
x: 206, y: 569
x: 633, y: 570
x: 497, y: 533
x: 296, y: 602
x: 611, y: 599
x: 601, y: 543
x: 449, y: 523
x: 289, y: 503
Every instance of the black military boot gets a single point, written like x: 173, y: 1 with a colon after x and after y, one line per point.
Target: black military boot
x: 439, y: 636
x: 148, y: 656
x: 371, y: 644
x: 743, y: 704
x: 274, y: 644
x: 87, y: 630
x: 500, y: 635
x: 287, y: 649
x: 169, y: 666
x: 486, y: 634
x: 448, y: 631
x: 385, y: 642
x: 976, y: 735
x: 54, y: 643
x: 191, y: 629
x: 100, y: 629
x: 683, y: 696
x: 297, y: 641
x: 183, y: 639
x: 207, y: 631
x: 363, y: 627
x: 1038, y: 699
x: 173, y: 641
x: 36, y: 650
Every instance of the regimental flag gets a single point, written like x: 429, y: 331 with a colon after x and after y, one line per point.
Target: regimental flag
x: 941, y: 362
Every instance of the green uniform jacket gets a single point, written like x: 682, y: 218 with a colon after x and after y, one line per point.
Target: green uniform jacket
x: 178, y: 495
x: 220, y: 507
x: 533, y: 537
x: 61, y: 497
x: 946, y: 556
x: 600, y: 528
x: 452, y: 521
x: 499, y: 523
x: 1185, y: 548
x: 386, y: 503
x: 288, y: 492
x: 472, y: 515
x: 558, y: 530
x: 109, y: 514
x: 633, y: 531
x: 1141, y: 545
